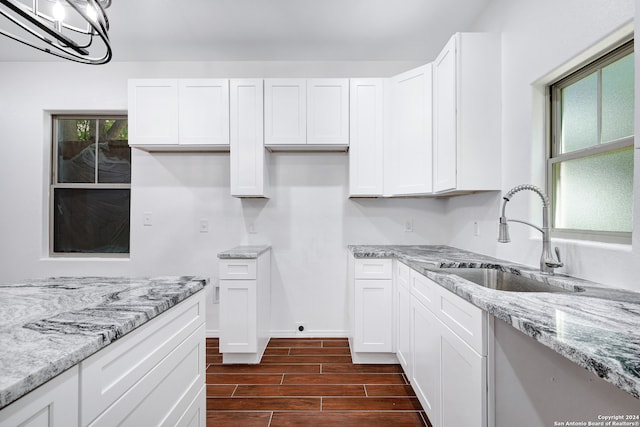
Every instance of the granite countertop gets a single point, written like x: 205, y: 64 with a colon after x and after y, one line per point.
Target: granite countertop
x: 49, y: 325
x: 244, y: 252
x: 597, y: 328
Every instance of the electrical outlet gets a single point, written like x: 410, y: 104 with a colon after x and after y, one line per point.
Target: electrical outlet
x: 147, y: 219
x: 204, y: 225
x: 300, y: 327
x: 408, y: 225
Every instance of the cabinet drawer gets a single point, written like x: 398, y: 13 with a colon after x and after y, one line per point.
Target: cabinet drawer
x: 244, y: 269
x: 463, y: 318
x: 162, y: 397
x: 373, y: 268
x: 424, y: 290
x: 403, y: 274
x: 115, y: 370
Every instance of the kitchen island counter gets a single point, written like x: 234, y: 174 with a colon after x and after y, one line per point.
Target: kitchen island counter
x: 49, y: 325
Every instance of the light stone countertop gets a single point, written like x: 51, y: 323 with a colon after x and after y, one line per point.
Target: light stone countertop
x: 244, y: 252
x: 598, y: 328
x: 49, y: 325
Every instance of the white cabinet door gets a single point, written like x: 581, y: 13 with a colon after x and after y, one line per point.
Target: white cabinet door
x: 366, y: 156
x: 425, y: 378
x: 285, y: 111
x: 328, y: 111
x: 153, y: 112
x: 467, y: 146
x: 463, y: 383
x: 445, y: 122
x: 53, y: 404
x: 203, y: 111
x: 373, y: 315
x: 238, y: 316
x: 403, y: 348
x: 410, y: 145
x: 249, y: 176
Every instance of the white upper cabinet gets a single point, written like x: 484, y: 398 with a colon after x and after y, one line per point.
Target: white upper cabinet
x: 153, y: 112
x: 328, y: 111
x: 410, y: 146
x: 366, y: 155
x: 249, y: 176
x: 203, y: 108
x: 179, y: 114
x: 306, y: 114
x: 466, y: 111
x: 285, y: 111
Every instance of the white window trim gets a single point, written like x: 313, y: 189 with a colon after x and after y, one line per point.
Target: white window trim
x: 569, y: 76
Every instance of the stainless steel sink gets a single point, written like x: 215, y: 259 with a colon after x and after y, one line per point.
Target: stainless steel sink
x: 504, y: 281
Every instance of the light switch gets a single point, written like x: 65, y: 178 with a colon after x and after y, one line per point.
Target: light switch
x: 147, y: 219
x: 408, y: 225
x: 204, y: 225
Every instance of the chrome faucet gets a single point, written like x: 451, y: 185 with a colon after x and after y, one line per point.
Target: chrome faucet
x: 547, y: 260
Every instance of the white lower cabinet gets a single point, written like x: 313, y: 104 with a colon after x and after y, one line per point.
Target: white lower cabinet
x: 441, y: 341
x: 449, y: 376
x: 425, y: 377
x: 373, y: 311
x: 462, y: 382
x: 245, y: 301
x: 403, y: 310
x: 53, y: 404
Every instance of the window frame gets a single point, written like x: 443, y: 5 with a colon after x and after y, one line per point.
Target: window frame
x: 555, y: 136
x: 54, y: 184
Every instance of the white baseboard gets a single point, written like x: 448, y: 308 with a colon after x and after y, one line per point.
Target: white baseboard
x: 287, y: 333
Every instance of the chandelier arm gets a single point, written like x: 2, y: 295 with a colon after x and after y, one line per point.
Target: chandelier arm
x: 68, y: 49
x: 41, y: 24
x: 66, y: 54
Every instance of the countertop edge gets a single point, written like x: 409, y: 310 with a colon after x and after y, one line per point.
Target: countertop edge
x: 244, y: 252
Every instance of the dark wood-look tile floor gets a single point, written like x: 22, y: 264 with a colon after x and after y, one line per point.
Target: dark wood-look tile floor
x: 308, y: 382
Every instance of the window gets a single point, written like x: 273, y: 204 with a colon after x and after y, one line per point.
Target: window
x: 590, y: 168
x: 90, y: 186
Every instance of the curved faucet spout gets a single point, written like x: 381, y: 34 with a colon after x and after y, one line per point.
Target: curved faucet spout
x: 547, y: 260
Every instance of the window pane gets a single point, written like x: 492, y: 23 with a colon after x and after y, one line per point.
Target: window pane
x: 91, y: 221
x: 580, y: 114
x: 595, y: 193
x: 76, y: 150
x: 114, y: 154
x: 617, y: 99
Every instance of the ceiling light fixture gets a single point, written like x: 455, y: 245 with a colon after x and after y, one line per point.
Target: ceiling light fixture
x: 63, y: 28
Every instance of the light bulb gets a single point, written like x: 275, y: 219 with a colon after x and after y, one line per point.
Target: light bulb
x: 58, y: 12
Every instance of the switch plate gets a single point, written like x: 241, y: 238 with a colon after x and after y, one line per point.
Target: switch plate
x: 476, y: 228
x: 204, y: 225
x: 408, y: 225
x: 147, y: 219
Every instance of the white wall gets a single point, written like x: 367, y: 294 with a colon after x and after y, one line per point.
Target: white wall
x: 309, y: 220
x: 538, y: 37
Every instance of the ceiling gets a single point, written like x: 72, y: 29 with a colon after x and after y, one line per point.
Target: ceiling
x: 270, y: 30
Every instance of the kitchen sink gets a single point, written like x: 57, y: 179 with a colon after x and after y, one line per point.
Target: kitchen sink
x: 504, y: 281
